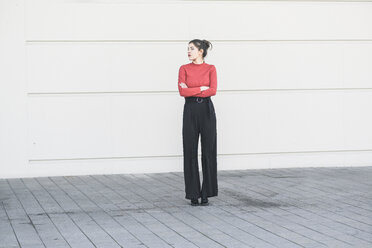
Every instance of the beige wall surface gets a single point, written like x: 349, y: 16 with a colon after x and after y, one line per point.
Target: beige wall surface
x: 90, y: 87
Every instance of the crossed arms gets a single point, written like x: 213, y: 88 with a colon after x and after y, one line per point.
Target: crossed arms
x: 202, y: 91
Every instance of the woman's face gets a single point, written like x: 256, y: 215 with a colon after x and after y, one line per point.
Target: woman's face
x: 193, y: 52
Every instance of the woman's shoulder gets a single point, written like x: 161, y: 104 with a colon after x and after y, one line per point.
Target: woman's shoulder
x: 183, y: 66
x: 210, y: 66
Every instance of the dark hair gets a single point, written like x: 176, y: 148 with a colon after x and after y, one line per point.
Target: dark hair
x: 202, y: 44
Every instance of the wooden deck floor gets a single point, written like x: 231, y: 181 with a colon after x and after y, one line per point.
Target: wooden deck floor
x: 296, y: 207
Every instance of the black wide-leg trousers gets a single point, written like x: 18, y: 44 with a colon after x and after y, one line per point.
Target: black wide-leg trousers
x: 199, y: 117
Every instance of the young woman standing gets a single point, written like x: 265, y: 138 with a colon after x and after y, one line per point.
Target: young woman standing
x: 197, y: 82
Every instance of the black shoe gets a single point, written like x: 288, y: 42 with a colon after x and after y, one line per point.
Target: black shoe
x: 194, y: 202
x: 204, y: 201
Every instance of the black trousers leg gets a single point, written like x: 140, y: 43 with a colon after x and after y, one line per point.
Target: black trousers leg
x: 209, y: 152
x: 199, y: 118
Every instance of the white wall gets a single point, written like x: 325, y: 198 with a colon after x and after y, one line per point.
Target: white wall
x: 90, y: 87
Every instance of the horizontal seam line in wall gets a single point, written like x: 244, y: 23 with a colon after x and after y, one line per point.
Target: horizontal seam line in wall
x: 276, y: 0
x: 149, y: 92
x: 229, y: 1
x: 251, y: 40
x: 223, y: 154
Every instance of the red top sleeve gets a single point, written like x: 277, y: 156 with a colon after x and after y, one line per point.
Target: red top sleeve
x: 213, y: 83
x: 182, y: 79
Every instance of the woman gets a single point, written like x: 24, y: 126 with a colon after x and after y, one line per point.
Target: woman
x: 197, y: 82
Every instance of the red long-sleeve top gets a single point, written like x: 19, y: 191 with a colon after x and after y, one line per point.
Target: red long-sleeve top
x: 196, y: 75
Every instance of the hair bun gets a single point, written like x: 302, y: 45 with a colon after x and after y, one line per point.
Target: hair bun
x: 206, y: 43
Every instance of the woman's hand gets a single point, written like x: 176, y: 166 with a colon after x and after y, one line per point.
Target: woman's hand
x: 183, y: 85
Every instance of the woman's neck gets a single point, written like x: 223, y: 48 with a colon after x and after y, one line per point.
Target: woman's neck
x: 198, y: 63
